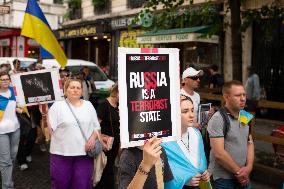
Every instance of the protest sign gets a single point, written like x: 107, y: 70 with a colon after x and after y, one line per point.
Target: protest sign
x: 203, y: 114
x: 37, y: 87
x: 148, y: 81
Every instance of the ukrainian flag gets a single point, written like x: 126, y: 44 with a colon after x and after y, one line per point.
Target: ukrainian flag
x: 245, y: 117
x: 36, y: 26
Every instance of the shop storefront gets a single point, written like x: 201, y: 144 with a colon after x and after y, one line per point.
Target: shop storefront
x: 88, y: 42
x: 14, y: 45
x: 195, y: 48
x: 124, y: 37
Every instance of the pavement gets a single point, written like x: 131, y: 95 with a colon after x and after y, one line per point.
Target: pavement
x: 37, y: 175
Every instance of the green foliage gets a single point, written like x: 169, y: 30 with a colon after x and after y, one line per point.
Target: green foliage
x: 99, y: 3
x: 74, y: 4
x: 271, y: 14
x: 174, y: 15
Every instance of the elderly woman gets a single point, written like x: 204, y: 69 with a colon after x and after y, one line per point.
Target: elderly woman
x: 69, y: 165
x: 9, y: 130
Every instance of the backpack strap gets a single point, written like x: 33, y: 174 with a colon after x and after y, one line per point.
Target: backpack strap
x: 224, y: 113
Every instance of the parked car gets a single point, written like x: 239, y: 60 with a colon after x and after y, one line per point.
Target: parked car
x: 25, y: 62
x: 75, y: 65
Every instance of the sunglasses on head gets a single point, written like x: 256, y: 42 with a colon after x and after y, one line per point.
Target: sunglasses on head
x: 194, y: 78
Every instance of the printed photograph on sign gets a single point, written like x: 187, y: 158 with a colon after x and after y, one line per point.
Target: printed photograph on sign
x: 148, y: 94
x: 37, y: 87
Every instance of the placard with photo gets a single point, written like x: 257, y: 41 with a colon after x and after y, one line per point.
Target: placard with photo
x: 42, y: 86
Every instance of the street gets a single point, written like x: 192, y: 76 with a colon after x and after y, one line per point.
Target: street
x: 37, y: 175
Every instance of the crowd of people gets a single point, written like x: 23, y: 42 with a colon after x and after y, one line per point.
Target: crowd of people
x: 75, y: 126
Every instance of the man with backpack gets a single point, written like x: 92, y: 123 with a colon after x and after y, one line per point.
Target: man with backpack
x: 232, y: 148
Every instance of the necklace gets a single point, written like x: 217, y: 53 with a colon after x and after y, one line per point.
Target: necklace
x: 187, y: 146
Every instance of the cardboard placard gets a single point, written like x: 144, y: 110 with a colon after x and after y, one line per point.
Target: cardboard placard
x: 35, y: 87
x: 149, y: 86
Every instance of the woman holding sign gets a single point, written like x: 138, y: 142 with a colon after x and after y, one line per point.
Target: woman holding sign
x: 69, y: 165
x: 138, y: 170
x: 9, y: 130
x: 186, y: 156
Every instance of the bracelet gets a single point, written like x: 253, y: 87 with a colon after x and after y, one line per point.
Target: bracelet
x: 141, y: 170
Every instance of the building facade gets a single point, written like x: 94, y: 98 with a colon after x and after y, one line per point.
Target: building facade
x: 11, y: 42
x: 111, y: 21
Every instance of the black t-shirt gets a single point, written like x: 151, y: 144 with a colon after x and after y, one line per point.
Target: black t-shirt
x: 130, y: 160
x: 110, y: 121
x: 217, y: 80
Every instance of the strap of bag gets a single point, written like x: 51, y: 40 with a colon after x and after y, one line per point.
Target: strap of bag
x: 78, y: 123
x: 224, y: 113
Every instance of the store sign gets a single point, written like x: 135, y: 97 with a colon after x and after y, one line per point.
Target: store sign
x: 176, y: 38
x: 121, y: 22
x: 77, y: 32
x: 4, y: 9
x: 129, y: 39
x: 5, y: 42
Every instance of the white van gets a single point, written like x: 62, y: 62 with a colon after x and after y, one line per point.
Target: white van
x: 25, y: 62
x: 75, y: 65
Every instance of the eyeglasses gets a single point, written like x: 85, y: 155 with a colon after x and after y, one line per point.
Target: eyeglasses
x: 195, y: 78
x: 5, y: 79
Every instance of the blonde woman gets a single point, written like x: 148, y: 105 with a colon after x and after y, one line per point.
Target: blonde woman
x: 70, y: 167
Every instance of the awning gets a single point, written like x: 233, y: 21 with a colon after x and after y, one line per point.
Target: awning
x: 193, y: 34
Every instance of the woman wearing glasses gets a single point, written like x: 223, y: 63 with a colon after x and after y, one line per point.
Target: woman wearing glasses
x: 9, y: 130
x: 186, y: 156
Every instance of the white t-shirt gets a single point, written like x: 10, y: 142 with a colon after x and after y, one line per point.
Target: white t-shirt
x: 66, y: 138
x: 86, y: 90
x: 9, y: 122
x: 190, y: 140
x: 196, y: 101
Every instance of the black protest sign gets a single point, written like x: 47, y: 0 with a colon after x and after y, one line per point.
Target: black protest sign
x: 41, y: 86
x: 148, y: 96
x: 37, y: 87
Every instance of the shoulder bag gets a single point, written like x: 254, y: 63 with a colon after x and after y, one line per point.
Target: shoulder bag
x: 98, y: 145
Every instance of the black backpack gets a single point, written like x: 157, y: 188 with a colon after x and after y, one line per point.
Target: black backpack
x: 205, y: 135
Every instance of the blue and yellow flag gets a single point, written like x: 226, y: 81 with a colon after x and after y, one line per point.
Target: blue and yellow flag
x: 245, y: 117
x: 36, y: 26
x: 180, y: 165
x: 4, y: 102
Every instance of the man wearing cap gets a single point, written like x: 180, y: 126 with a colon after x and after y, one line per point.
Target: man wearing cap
x: 191, y: 81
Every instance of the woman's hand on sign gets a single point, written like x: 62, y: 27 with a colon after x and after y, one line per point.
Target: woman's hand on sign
x: 19, y: 110
x: 151, y: 153
x: 43, y: 108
